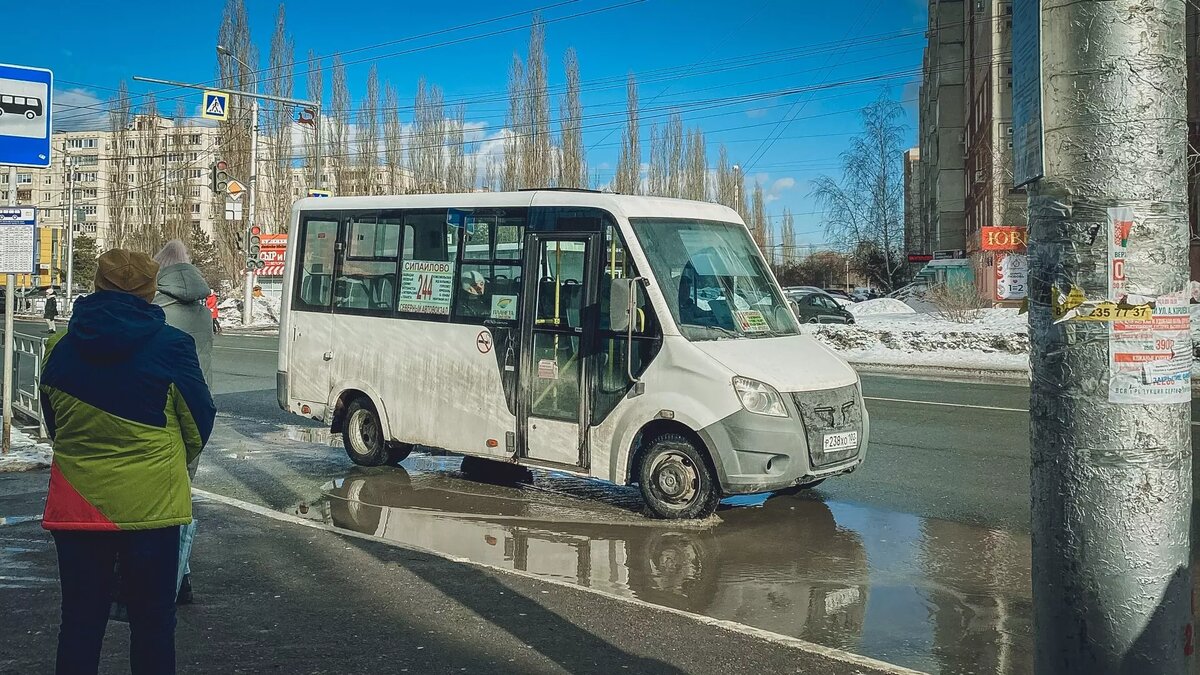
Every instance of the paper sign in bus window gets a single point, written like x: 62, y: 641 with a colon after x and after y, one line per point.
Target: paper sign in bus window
x: 426, y: 286
x: 752, y: 321
x: 504, y: 307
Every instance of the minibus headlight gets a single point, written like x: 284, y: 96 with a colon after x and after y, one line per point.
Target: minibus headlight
x: 759, y: 397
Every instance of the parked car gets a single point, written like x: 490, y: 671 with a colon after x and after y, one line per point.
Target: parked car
x: 838, y: 293
x: 819, y: 307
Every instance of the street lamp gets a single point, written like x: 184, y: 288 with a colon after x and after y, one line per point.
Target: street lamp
x: 737, y: 188
x: 248, y: 291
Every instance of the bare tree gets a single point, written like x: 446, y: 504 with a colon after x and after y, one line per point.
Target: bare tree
x: 758, y: 217
x: 538, y: 159
x: 339, y: 158
x: 456, y: 158
x: 177, y: 221
x: 573, y: 164
x: 368, y: 137
x: 864, y: 209
x: 515, y: 140
x: 725, y: 188
x: 150, y: 179
x: 656, y: 169
x: 312, y: 132
x: 234, y: 136
x: 695, y: 180
x: 770, y: 244
x: 393, y: 138
x: 120, y: 190
x: 493, y: 174
x: 788, y: 240
x: 629, y: 162
x: 281, y: 82
x: 426, y: 156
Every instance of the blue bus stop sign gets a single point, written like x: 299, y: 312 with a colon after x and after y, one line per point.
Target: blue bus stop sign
x: 25, y: 111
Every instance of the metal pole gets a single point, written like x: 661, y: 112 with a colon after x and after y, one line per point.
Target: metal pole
x: 68, y: 294
x: 9, y: 290
x: 1111, y: 480
x: 252, y: 195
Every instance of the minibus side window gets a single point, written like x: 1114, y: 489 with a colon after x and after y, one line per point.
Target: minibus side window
x: 367, y: 279
x: 489, y: 279
x: 314, y: 272
x: 428, y: 266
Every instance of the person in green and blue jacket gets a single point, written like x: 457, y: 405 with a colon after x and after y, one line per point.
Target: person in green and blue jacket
x: 127, y: 408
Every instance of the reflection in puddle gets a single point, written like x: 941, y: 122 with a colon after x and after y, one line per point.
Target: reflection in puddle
x: 315, y: 435
x: 930, y: 595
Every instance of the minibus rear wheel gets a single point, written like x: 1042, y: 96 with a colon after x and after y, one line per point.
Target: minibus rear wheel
x: 362, y: 434
x: 675, y: 480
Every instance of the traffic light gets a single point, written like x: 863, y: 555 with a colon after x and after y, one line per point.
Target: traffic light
x: 254, y: 248
x: 218, y: 176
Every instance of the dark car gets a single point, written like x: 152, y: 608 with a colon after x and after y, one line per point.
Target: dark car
x: 839, y: 293
x: 819, y: 307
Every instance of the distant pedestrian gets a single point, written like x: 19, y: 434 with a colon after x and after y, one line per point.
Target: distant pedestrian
x: 127, y: 408
x: 212, y: 303
x: 50, y: 312
x: 183, y: 294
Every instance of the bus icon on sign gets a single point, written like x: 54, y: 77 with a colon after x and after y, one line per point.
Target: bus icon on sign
x: 28, y: 107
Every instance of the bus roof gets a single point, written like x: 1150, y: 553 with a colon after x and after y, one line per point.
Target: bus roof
x: 629, y: 206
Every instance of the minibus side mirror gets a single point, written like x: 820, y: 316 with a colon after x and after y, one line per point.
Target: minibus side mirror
x: 621, y: 292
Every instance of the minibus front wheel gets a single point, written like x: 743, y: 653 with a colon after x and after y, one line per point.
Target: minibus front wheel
x: 674, y: 479
x: 362, y: 434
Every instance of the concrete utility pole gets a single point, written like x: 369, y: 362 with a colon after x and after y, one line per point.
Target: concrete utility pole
x: 1110, y: 437
x: 248, y: 295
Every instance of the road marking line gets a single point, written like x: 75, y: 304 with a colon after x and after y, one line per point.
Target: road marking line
x: 247, y: 349
x: 797, y: 643
x: 955, y: 405
x: 942, y: 404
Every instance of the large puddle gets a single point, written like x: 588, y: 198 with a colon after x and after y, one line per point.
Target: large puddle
x: 933, y: 595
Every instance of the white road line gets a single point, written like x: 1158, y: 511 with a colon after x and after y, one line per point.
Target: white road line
x: 944, y: 405
x: 797, y: 643
x: 955, y: 405
x: 246, y: 349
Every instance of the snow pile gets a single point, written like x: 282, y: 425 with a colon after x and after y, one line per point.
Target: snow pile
x: 26, y: 454
x: 997, y: 339
x: 880, y: 306
x: 266, y: 312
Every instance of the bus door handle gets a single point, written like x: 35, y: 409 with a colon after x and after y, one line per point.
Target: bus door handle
x: 328, y: 356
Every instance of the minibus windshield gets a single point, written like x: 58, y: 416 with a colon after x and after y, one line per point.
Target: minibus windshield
x: 714, y: 279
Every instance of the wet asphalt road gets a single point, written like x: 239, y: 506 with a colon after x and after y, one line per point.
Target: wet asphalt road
x: 920, y: 558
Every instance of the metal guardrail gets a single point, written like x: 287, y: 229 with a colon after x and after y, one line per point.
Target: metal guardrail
x: 27, y: 376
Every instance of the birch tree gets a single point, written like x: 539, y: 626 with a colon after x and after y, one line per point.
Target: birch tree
x: 864, y: 208
x: 629, y: 161
x: 368, y: 137
x: 280, y: 82
x: 393, y: 139
x: 120, y: 117
x: 339, y: 159
x: 573, y: 164
x: 515, y: 122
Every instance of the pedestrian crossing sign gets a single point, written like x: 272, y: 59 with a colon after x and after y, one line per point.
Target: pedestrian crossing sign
x: 216, y: 105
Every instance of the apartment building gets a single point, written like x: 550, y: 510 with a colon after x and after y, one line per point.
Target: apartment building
x: 991, y: 201
x: 941, y: 129
x: 917, y: 237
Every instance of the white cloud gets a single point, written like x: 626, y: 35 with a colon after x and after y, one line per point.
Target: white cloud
x: 79, y: 110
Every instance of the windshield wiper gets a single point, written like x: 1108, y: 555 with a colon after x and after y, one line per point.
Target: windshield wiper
x: 720, y: 329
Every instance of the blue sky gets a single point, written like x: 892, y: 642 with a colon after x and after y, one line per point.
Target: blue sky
x: 717, y: 50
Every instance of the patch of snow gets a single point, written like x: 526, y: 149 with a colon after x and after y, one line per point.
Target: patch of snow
x: 26, y: 454
x: 997, y: 339
x: 266, y: 312
x: 880, y: 306
x: 844, y: 302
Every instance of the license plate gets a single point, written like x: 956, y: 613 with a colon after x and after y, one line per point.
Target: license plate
x: 841, y: 440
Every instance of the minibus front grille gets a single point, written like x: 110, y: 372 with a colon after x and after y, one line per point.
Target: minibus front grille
x: 830, y: 411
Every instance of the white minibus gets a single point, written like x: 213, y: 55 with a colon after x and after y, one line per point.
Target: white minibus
x: 638, y: 340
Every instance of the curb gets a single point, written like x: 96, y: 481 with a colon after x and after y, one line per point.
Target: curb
x: 993, y: 375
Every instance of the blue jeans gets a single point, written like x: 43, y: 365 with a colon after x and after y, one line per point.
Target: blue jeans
x: 87, y: 562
